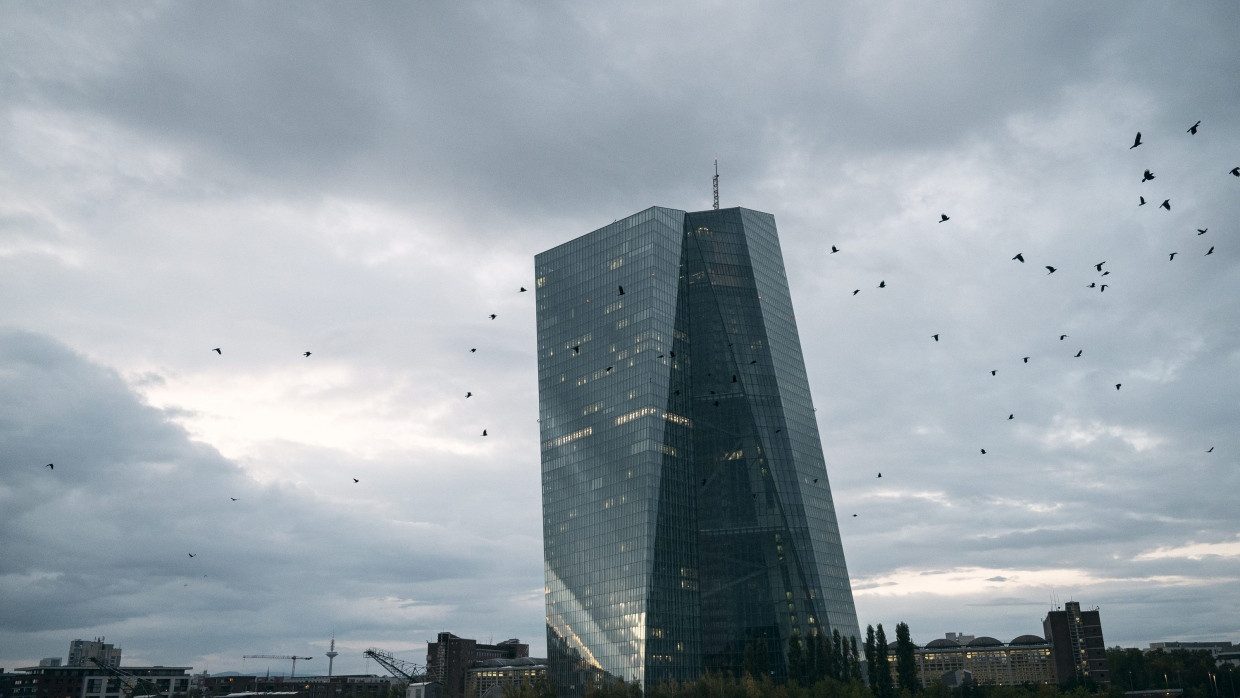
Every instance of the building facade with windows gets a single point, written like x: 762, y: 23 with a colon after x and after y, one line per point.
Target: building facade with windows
x: 1077, y: 645
x: 985, y: 660
x: 688, y: 519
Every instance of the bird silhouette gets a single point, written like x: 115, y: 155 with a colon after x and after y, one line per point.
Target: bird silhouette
x: 671, y: 354
x: 305, y: 353
x: 473, y: 350
x: 621, y: 290
x: 1210, y: 450
x: 1136, y: 142
x: 1173, y: 254
x: 1117, y: 385
x: 854, y: 516
x: 607, y: 370
x: 936, y: 337
x: 856, y: 291
x: 1235, y: 171
x: 1210, y: 251
x: 233, y: 498
x: 882, y: 284
x: 484, y: 432
x: 1025, y: 359
x: 1098, y: 266
x: 51, y: 465
x: 1092, y: 284
x: 1078, y: 353
x: 1165, y: 204
x: 1063, y: 337
x: 983, y: 451
x: 1142, y: 198
x: 522, y: 290
x: 1102, y: 288
x: 1148, y: 176
x: 217, y: 350
x: 879, y: 475
x: 190, y: 554
x: 1202, y: 231
x: 834, y: 249
x: 468, y: 394
x: 577, y: 349
x: 492, y: 316
x: 1019, y: 257
x: 1193, y: 129
x: 944, y: 218
x: 355, y: 480
x: 1050, y: 269
x: 1012, y: 416
x: 993, y: 372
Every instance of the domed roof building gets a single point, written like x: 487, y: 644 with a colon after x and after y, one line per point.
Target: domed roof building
x: 982, y: 660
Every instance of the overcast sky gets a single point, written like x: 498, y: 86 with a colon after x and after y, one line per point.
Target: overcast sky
x: 368, y: 182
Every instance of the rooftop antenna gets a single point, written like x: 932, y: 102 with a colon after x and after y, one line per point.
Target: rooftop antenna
x: 716, y: 181
x: 331, y: 655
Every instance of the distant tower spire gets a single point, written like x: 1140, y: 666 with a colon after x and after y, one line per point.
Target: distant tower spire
x: 716, y: 184
x: 331, y: 655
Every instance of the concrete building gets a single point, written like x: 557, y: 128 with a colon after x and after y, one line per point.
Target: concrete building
x: 983, y: 660
x: 340, y: 686
x: 487, y: 678
x: 93, y: 682
x: 1077, y: 646
x: 449, y: 659
x: 687, y: 516
x: 82, y: 651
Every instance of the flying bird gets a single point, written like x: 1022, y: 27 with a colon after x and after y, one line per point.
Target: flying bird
x: 1172, y: 257
x: 492, y: 316
x: 1210, y: 251
x: 1235, y: 171
x: 1050, y: 269
x: 834, y: 249
x: 1142, y: 198
x: 993, y: 372
x: 1193, y: 129
x: 983, y: 451
x: 305, y: 353
x: 621, y: 290
x: 936, y: 337
x: 879, y: 475
x: 191, y: 554
x: 51, y: 465
x: 882, y: 284
x: 1148, y: 176
x: 468, y: 394
x: 233, y: 498
x: 1202, y: 231
x: 355, y: 480
x: 1210, y: 450
x: 473, y: 350
x: 1092, y: 284
x: 1136, y: 142
x: 1165, y: 204
x: 1019, y: 257
x: 1025, y: 359
x: 484, y: 432
x: 1063, y: 337
x: 577, y: 349
x: 217, y: 350
x: 1077, y: 355
x: 944, y: 218
x: 608, y: 370
x: 1102, y: 288
x: 1098, y: 266
x: 1117, y: 385
x: 856, y: 291
x: 522, y: 290
x: 1012, y: 416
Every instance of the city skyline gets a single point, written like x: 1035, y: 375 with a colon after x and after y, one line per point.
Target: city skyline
x: 371, y: 185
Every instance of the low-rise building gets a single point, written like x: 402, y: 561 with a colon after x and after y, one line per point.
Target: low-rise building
x: 984, y: 660
x: 95, y: 682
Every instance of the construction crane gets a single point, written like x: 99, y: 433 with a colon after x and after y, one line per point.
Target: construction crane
x: 277, y: 656
x: 399, y: 668
x: 129, y: 682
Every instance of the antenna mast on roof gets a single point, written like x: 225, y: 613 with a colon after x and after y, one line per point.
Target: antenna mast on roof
x: 716, y: 184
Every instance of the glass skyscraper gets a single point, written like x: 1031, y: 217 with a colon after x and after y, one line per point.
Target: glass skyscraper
x: 687, y: 520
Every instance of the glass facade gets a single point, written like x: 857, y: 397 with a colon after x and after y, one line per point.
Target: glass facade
x: 687, y: 518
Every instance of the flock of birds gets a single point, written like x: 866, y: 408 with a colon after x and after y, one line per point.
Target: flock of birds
x: 1099, y: 284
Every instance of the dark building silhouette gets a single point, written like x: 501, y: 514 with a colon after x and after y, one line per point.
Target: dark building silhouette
x: 688, y: 521
x: 1079, y: 652
x: 449, y: 659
